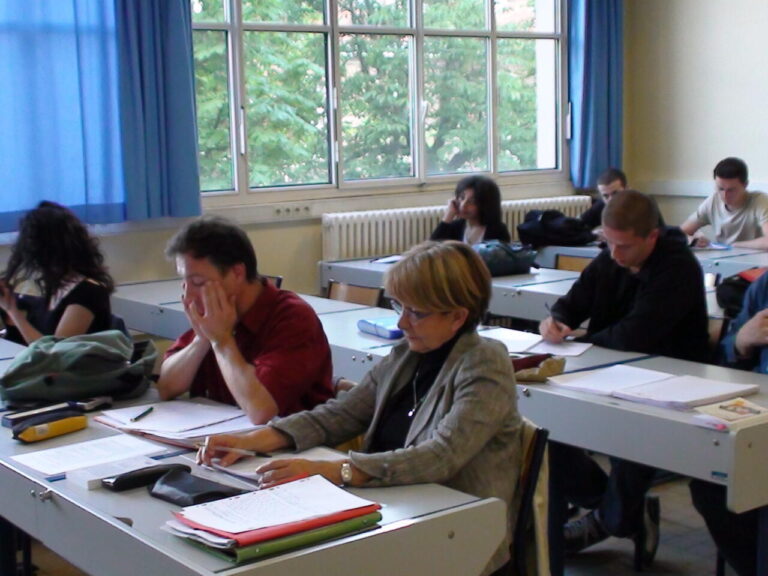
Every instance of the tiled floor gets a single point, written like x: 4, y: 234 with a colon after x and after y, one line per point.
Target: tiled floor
x: 686, y: 548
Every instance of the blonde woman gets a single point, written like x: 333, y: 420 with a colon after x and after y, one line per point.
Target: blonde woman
x: 440, y: 408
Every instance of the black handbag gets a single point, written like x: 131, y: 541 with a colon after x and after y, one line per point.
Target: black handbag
x: 505, y: 259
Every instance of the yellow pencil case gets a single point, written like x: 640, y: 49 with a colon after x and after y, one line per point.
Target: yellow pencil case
x: 49, y: 426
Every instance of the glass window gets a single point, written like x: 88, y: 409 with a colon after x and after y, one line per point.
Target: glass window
x: 304, y: 93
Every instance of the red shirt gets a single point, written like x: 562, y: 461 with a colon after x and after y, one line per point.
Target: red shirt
x: 282, y: 337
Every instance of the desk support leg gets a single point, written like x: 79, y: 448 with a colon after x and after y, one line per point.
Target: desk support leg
x: 762, y: 541
x: 8, y: 565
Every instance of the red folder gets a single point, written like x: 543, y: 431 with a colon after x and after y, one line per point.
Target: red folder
x: 753, y: 273
x: 271, y: 532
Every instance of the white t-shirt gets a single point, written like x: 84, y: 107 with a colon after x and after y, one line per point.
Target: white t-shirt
x: 729, y: 227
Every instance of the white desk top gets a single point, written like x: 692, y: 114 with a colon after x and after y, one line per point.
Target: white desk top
x: 415, y: 519
x: 157, y: 292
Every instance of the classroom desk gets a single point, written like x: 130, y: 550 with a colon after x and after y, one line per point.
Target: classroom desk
x: 729, y: 262
x: 426, y: 529
x: 664, y: 438
x: 148, y: 307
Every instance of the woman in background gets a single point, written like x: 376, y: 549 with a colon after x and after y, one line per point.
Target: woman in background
x: 55, y: 251
x: 474, y: 214
x: 440, y: 408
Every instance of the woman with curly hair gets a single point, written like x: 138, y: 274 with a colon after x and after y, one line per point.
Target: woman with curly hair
x: 55, y: 251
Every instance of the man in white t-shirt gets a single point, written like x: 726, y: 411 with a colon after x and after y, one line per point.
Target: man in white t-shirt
x: 738, y: 217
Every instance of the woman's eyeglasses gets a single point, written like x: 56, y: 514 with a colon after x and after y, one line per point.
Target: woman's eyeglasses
x: 413, y: 315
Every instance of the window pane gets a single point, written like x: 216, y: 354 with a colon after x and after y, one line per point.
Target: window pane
x: 456, y: 94
x: 286, y: 11
x: 213, y: 121
x: 373, y: 13
x: 526, y: 15
x: 207, y: 10
x: 286, y: 105
x: 455, y: 14
x: 375, y: 107
x: 527, y: 104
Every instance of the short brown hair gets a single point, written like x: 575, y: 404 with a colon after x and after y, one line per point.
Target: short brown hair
x: 441, y: 277
x: 632, y: 210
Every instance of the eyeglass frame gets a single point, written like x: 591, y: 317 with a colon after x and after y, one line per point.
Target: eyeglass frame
x: 413, y: 315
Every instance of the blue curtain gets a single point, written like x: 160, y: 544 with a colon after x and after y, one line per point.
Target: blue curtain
x: 595, y: 69
x: 69, y: 129
x: 157, y: 108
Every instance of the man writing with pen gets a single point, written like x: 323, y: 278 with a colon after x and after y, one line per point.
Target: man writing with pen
x: 643, y: 293
x: 251, y: 344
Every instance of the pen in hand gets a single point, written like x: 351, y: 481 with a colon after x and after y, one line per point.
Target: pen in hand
x: 241, y: 451
x: 142, y: 414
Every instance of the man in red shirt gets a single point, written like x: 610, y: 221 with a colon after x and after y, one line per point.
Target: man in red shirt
x: 251, y: 344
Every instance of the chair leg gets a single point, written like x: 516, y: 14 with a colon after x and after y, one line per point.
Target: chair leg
x: 25, y: 543
x: 720, y: 565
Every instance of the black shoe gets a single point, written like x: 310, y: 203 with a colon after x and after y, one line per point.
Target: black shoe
x: 647, y: 539
x: 583, y: 533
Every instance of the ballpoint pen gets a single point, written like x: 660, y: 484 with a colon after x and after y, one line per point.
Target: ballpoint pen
x: 142, y: 414
x: 241, y: 451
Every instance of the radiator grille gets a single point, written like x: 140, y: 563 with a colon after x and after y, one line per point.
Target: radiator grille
x: 380, y: 232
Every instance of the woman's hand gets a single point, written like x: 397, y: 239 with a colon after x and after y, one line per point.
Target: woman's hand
x: 284, y: 470
x: 451, y: 211
x: 7, y: 299
x: 229, y: 448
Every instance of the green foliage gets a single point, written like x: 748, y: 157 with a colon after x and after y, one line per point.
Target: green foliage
x: 287, y: 105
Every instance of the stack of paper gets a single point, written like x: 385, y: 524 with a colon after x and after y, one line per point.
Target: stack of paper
x: 652, y: 387
x: 284, y: 517
x: 179, y: 422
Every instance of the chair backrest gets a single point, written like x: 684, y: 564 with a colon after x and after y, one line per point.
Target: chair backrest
x: 572, y: 263
x: 365, y: 295
x: 534, y: 440
x: 276, y: 281
x: 117, y: 323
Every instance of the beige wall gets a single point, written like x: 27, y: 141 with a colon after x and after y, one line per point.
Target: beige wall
x: 290, y: 250
x: 695, y: 91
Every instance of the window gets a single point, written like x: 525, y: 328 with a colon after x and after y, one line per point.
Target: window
x: 337, y: 94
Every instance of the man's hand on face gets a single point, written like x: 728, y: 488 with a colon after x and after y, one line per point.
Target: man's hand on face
x: 218, y: 317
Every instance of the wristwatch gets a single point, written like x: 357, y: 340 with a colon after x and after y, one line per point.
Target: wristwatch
x: 346, y: 473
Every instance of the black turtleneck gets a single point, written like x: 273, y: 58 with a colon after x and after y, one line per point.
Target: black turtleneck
x: 395, y: 420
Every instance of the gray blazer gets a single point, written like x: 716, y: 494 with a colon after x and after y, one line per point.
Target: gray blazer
x: 466, y: 434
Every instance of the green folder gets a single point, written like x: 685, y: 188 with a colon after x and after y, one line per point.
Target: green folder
x: 244, y: 554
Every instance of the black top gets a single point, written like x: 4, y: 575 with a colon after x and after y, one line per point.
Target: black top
x: 660, y: 310
x: 592, y: 217
x: 93, y: 297
x: 395, y: 420
x: 455, y: 231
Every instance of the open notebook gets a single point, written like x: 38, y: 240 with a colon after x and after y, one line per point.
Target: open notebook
x: 652, y: 387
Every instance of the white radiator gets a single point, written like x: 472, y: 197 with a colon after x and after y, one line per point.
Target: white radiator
x: 380, y: 232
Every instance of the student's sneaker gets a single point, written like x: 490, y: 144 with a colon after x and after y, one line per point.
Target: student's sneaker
x: 647, y: 539
x: 583, y: 533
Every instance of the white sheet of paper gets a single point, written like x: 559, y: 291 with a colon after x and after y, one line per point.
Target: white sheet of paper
x: 567, y: 348
x: 246, y: 467
x: 173, y: 416
x: 292, y: 502
x: 89, y: 453
x: 389, y: 259
x: 607, y: 380
x: 514, y: 340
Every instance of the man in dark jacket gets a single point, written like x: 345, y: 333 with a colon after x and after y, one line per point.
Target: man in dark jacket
x: 644, y: 293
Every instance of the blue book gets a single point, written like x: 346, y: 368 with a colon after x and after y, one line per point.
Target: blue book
x: 381, y: 327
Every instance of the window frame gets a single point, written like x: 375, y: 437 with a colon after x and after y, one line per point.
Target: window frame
x: 317, y: 197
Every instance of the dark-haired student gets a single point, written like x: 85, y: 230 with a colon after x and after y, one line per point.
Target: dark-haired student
x: 55, y: 251
x: 738, y: 217
x: 474, y: 213
x: 609, y: 183
x: 251, y: 344
x: 745, y: 346
x: 644, y: 293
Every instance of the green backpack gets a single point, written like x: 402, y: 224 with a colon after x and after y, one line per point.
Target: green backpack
x: 60, y: 369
